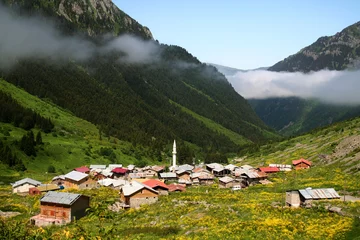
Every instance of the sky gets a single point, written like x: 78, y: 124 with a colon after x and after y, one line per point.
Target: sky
x: 238, y: 33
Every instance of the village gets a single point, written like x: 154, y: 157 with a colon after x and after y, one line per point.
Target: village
x: 141, y: 186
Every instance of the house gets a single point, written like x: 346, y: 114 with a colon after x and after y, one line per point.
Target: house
x: 43, y: 188
x: 60, y: 208
x: 131, y: 167
x: 135, y: 194
x: 212, y: 166
x: 297, y: 198
x: 199, y: 169
x: 137, y: 175
x: 23, y: 185
x: 251, y: 177
x: 113, y: 183
x: 301, y: 164
x: 183, y: 174
x: 269, y: 169
x: 227, y: 182
x: 79, y: 180
x: 185, y: 167
x: 107, y: 173
x: 176, y: 187
x: 231, y: 167
x: 157, y: 185
x: 119, y: 172
x: 247, y: 167
x: 282, y: 167
x: 83, y: 169
x: 158, y: 169
x: 58, y: 180
x: 203, y: 178
x: 150, y: 173
x: 168, y: 176
x: 112, y: 166
x: 97, y: 166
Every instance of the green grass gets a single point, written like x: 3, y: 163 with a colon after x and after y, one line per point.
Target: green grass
x: 74, y: 142
x: 233, y: 136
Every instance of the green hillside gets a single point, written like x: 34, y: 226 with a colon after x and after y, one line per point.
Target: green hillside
x: 73, y: 142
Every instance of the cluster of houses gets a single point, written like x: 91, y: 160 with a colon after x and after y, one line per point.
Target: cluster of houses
x: 137, y: 186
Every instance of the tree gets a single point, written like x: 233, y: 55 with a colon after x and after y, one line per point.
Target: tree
x: 39, y: 138
x: 51, y: 169
x: 27, y: 144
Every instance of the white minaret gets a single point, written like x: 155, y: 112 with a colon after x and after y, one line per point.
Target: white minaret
x: 174, y: 156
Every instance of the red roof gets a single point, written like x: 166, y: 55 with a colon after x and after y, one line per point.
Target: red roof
x: 176, y: 187
x: 120, y: 170
x: 269, y: 169
x: 296, y: 162
x: 82, y: 169
x: 153, y: 183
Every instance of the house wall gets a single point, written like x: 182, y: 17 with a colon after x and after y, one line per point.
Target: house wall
x: 206, y: 181
x: 79, y: 206
x: 293, y: 199
x: 68, y: 183
x: 184, y: 176
x: 55, y: 211
x: 34, y: 191
x: 88, y: 184
x: 143, y: 196
x: 23, y: 188
x: 227, y: 185
x: 301, y: 166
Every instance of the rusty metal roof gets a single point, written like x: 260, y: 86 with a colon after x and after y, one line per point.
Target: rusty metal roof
x: 226, y: 179
x: 319, y: 193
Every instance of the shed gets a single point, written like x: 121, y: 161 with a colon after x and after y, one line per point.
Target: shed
x: 301, y: 164
x: 23, y: 185
x: 43, y: 188
x: 135, y: 194
x: 61, y: 208
x: 296, y: 198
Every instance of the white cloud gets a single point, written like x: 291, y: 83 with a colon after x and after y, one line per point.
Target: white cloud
x: 340, y: 87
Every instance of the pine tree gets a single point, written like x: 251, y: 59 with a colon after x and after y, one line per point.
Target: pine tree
x: 39, y: 138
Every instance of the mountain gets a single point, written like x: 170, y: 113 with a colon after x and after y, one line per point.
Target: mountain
x: 228, y: 71
x: 338, y: 52
x: 294, y: 115
x: 144, y: 93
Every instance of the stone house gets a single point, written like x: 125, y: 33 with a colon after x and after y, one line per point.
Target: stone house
x: 227, y: 182
x: 135, y: 194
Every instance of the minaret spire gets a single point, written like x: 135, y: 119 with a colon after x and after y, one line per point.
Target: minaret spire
x: 174, y: 156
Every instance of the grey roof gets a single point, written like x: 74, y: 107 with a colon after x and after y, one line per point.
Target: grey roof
x: 214, y: 165
x: 133, y: 187
x: 62, y: 177
x: 24, y: 181
x: 112, y: 166
x: 60, y: 198
x: 185, y: 167
x: 319, y: 193
x: 97, y: 166
x: 247, y: 167
x: 231, y: 167
x: 114, y: 182
x: 168, y: 175
x: 76, y: 176
x: 226, y: 179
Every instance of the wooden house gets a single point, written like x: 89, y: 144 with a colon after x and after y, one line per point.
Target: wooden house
x: 301, y: 164
x: 202, y: 178
x: 23, y: 185
x: 168, y: 176
x: 79, y: 180
x: 227, y: 182
x: 183, y: 174
x: 60, y: 208
x: 58, y: 180
x: 296, y: 198
x: 135, y: 194
x: 157, y: 185
x: 176, y: 187
x: 251, y: 177
x: 120, y: 173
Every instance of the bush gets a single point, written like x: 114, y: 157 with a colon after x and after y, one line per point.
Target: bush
x: 51, y: 169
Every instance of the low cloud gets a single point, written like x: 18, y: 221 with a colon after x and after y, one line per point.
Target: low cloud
x: 36, y: 37
x: 336, y: 87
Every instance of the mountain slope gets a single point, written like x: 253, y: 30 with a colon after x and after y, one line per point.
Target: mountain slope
x: 132, y: 101
x: 338, y: 52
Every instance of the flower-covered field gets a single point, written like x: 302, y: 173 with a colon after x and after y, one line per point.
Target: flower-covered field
x: 201, y: 213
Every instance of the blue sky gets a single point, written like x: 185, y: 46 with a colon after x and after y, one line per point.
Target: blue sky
x: 238, y: 33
